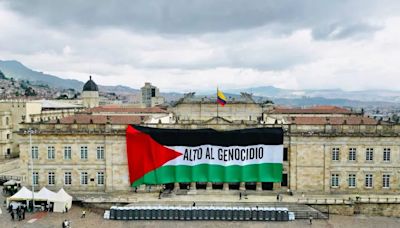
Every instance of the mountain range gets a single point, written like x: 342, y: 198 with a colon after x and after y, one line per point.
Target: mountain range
x: 17, y: 70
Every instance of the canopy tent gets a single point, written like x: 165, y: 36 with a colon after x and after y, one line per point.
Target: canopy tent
x: 11, y: 183
x: 44, y: 195
x: 23, y: 194
x: 61, y: 201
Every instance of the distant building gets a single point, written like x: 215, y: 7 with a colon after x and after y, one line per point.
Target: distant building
x: 15, y: 112
x: 151, y: 95
x: 90, y: 94
x: 196, y: 109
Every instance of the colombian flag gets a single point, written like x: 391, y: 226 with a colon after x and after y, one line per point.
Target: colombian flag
x: 221, y: 99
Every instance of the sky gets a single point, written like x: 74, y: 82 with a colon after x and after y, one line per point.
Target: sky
x: 197, y: 45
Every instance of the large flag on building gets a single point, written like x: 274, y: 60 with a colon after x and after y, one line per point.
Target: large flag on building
x: 160, y: 156
x: 221, y: 99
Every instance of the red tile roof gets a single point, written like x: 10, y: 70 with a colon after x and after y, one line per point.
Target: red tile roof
x: 101, y: 119
x: 311, y: 110
x: 121, y: 109
x: 352, y: 120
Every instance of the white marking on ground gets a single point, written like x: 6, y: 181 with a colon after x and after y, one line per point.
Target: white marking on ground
x: 32, y: 220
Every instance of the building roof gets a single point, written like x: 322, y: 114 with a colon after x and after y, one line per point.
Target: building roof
x: 121, y: 109
x: 351, y: 120
x: 101, y: 119
x: 52, y: 104
x: 90, y: 85
x: 310, y: 110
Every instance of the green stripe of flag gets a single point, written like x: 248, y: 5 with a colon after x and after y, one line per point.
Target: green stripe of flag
x: 266, y: 172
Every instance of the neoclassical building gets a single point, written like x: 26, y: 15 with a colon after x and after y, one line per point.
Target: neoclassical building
x: 334, y: 151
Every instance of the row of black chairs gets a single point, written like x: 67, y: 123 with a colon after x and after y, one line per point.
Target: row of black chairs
x: 200, y: 213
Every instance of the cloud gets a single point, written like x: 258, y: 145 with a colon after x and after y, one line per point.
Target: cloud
x: 205, y: 16
x: 184, y: 47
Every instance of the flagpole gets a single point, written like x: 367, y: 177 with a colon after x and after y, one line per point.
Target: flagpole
x: 217, y: 106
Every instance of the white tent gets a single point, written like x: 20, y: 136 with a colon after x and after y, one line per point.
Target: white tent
x: 61, y: 201
x: 22, y: 195
x: 11, y: 183
x: 44, y: 194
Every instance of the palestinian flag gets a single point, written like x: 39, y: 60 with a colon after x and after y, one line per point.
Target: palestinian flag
x: 160, y: 156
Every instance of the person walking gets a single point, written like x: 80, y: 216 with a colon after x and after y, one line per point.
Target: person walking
x: 240, y: 195
x: 311, y: 218
x: 23, y: 212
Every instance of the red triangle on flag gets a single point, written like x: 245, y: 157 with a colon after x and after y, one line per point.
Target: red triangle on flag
x: 145, y: 154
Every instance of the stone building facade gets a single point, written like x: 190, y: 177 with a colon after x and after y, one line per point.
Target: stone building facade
x: 335, y: 154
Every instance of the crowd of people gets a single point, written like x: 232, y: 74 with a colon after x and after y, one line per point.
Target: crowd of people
x: 17, y: 211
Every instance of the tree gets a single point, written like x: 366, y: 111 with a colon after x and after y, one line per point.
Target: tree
x: 30, y: 92
x: 2, y: 76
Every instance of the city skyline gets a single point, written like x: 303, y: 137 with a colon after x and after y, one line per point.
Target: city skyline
x: 351, y: 45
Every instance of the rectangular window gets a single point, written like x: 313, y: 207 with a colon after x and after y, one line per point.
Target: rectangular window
x: 352, y: 154
x: 84, y: 152
x: 84, y: 178
x: 51, y: 178
x: 386, y: 181
x: 369, y: 154
x: 67, y: 178
x: 368, y: 180
x: 35, y: 177
x: 100, y: 152
x: 386, y: 154
x: 51, y: 152
x: 35, y: 152
x: 100, y: 178
x: 335, y: 154
x: 67, y: 153
x: 352, y: 180
x: 335, y: 180
x: 285, y: 154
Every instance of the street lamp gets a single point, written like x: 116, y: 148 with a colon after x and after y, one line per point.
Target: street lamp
x: 30, y: 132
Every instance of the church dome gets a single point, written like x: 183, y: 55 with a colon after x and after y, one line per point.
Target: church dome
x: 90, y: 85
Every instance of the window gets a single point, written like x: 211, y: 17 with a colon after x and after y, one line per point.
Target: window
x: 100, y: 178
x: 35, y: 178
x: 51, y: 178
x: 67, y: 178
x: 84, y: 152
x: 352, y: 154
x: 67, y: 153
x: 352, y: 180
x: 8, y: 136
x: 35, y: 152
x: 369, y: 154
x: 51, y: 152
x: 368, y: 180
x: 100, y: 152
x: 386, y: 181
x: 7, y: 121
x: 335, y: 154
x: 386, y: 154
x: 285, y: 154
x: 84, y: 178
x: 335, y: 180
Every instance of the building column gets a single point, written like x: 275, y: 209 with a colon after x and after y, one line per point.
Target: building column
x: 193, y: 186
x: 242, y: 186
x: 142, y: 188
x: 176, y: 187
x: 258, y: 186
x: 276, y: 186
x: 226, y: 187
x: 209, y: 186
